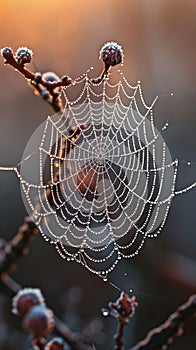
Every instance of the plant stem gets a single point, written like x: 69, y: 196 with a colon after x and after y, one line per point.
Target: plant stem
x: 118, y: 337
x: 46, y: 89
x: 172, y: 327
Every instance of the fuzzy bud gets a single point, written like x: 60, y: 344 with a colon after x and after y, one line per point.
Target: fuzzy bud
x: 45, y: 94
x: 66, y: 80
x: 38, y: 77
x: 124, y: 307
x: 39, y: 321
x: 24, y: 55
x: 6, y: 52
x: 25, y: 299
x: 112, y: 54
x: 56, y: 344
x: 50, y: 77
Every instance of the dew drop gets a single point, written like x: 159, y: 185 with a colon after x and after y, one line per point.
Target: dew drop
x: 105, y: 312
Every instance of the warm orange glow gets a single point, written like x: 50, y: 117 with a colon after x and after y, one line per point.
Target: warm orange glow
x: 87, y: 179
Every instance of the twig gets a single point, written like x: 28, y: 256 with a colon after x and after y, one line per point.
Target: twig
x: 76, y: 342
x: 18, y: 246
x: 172, y: 327
x: 118, y: 337
x: 10, y: 252
x: 121, y: 310
x: 112, y: 54
x: 12, y: 286
x: 46, y: 89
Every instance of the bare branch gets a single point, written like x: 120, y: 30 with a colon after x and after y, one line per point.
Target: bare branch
x: 46, y: 89
x: 172, y: 327
x: 18, y: 246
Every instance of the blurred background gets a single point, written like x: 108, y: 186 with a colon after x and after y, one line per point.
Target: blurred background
x: 158, y: 38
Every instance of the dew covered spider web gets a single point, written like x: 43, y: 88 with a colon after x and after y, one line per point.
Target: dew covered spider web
x: 98, y: 178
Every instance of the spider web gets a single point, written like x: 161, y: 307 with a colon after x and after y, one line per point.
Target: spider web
x: 98, y: 179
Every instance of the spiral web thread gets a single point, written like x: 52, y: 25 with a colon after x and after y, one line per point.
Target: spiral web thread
x: 101, y: 179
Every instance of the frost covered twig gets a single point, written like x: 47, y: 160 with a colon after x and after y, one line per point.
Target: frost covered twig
x: 11, y: 251
x: 43, y: 85
x: 40, y: 321
x: 122, y: 310
x: 111, y: 54
x: 172, y: 327
x: 18, y: 246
